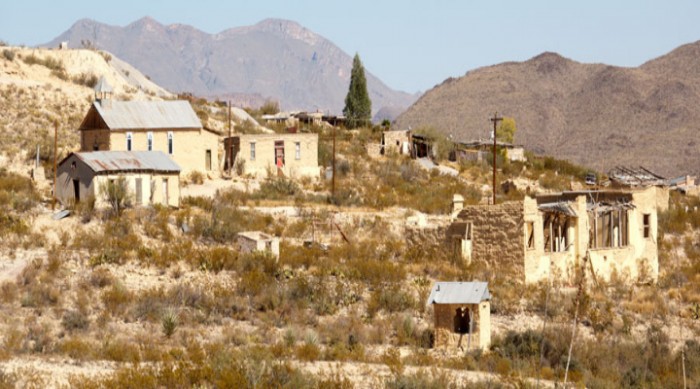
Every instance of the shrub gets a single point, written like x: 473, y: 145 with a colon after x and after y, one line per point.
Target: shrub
x: 116, y: 193
x: 196, y: 177
x: 74, y: 320
x: 85, y: 79
x: 169, y: 323
x: 8, y: 54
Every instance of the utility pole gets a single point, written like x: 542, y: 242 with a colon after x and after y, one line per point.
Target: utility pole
x: 55, y: 159
x: 333, y: 178
x: 495, y: 121
x: 229, y: 152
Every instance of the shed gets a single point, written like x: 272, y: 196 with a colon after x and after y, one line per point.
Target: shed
x: 151, y: 176
x: 462, y: 313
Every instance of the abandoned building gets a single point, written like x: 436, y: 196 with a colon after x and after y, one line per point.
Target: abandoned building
x: 251, y: 241
x: 547, y: 237
x: 482, y: 151
x: 290, y: 155
x: 396, y: 142
x: 168, y: 126
x: 462, y: 314
x: 151, y: 177
x: 640, y: 177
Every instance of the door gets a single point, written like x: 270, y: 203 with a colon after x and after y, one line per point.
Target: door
x: 166, y: 199
x: 139, y: 191
x: 279, y: 153
x: 76, y: 190
x: 207, y: 160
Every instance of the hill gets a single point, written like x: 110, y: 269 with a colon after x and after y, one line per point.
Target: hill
x: 274, y: 59
x: 592, y: 114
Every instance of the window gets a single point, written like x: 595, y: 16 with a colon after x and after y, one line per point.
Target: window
x: 609, y: 229
x: 297, y: 150
x: 129, y: 140
x: 647, y: 225
x: 150, y: 141
x: 252, y: 151
x: 556, y: 232
x: 530, y: 231
x: 170, y: 143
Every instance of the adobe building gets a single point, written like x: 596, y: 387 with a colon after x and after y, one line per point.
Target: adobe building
x: 547, y: 237
x: 251, y: 241
x: 291, y: 155
x: 151, y: 177
x: 482, y: 151
x: 396, y: 142
x: 168, y: 126
x: 462, y: 315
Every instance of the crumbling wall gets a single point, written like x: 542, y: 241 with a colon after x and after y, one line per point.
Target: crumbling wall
x: 497, y: 234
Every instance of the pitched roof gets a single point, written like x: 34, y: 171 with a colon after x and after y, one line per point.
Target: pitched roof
x: 125, y: 161
x: 459, y: 293
x: 143, y: 115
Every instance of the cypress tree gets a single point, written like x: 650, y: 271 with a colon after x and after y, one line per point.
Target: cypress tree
x: 358, y: 106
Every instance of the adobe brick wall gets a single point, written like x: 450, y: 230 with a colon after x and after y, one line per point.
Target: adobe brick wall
x: 497, y: 234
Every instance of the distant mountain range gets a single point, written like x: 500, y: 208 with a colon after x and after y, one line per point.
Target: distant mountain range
x: 274, y: 59
x: 593, y: 114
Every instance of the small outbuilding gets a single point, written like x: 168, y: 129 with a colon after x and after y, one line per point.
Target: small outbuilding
x: 151, y: 176
x: 462, y: 312
x: 250, y: 241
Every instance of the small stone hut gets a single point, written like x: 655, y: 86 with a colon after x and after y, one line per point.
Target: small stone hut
x: 250, y: 241
x: 462, y: 312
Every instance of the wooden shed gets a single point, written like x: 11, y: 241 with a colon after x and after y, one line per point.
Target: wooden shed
x: 152, y: 177
x: 462, y: 312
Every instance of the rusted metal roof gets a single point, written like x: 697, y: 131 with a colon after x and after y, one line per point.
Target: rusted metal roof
x: 459, y: 293
x: 145, y: 115
x: 639, y: 176
x: 128, y: 161
x: 558, y: 207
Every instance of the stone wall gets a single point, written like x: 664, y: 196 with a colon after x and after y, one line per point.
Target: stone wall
x: 497, y: 233
x: 396, y: 142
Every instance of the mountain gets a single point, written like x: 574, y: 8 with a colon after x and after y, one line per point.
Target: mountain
x: 593, y: 114
x: 274, y: 59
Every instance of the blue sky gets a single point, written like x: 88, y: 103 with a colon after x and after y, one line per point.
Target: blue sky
x: 410, y: 45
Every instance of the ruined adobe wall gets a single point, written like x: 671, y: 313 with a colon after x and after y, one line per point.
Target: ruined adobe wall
x: 497, y: 234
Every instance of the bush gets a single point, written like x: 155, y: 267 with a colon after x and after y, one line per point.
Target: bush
x: 8, y: 54
x: 116, y: 193
x: 85, y: 79
x: 169, y: 323
x: 74, y: 320
x: 196, y: 177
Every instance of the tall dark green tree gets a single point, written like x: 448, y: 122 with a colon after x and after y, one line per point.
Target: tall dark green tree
x: 358, y: 106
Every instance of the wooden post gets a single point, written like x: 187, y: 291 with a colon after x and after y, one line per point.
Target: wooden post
x: 495, y: 121
x: 229, y: 152
x: 333, y: 178
x: 55, y: 162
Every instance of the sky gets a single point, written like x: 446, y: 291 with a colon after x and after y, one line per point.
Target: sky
x: 410, y: 45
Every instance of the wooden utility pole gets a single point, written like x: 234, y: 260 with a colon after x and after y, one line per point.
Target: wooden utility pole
x: 333, y: 178
x: 495, y: 121
x: 55, y: 162
x: 229, y: 150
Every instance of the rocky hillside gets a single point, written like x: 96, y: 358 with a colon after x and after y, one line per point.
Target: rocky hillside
x: 274, y: 59
x: 39, y: 87
x: 592, y: 114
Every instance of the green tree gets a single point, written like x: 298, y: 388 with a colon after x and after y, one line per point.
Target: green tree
x: 116, y: 193
x: 506, y: 131
x: 358, y: 106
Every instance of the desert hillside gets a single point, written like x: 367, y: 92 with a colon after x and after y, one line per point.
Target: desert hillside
x: 592, y: 114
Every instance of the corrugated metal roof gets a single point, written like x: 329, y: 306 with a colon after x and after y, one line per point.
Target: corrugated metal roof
x: 124, y: 161
x: 137, y: 115
x: 561, y: 207
x: 459, y: 293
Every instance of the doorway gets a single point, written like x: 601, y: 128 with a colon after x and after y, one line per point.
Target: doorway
x: 279, y: 154
x: 207, y: 160
x: 462, y: 321
x: 76, y: 190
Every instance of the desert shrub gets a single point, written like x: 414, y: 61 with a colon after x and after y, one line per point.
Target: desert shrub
x: 86, y: 79
x: 77, y: 348
x: 196, y: 177
x: 101, y: 277
x: 117, y: 298
x: 277, y: 188
x: 169, y: 323
x: 427, y: 380
x: 8, y: 292
x: 48, y: 62
x: 117, y: 194
x: 391, y: 298
x: 75, y: 320
x: 216, y: 259
x: 85, y: 209
x: 8, y: 54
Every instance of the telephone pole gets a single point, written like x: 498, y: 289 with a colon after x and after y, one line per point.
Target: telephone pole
x: 229, y: 150
x: 333, y: 177
x: 495, y: 119
x: 55, y: 159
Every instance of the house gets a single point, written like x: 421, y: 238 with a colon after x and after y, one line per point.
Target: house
x: 396, y: 142
x: 482, y: 150
x: 291, y: 155
x: 547, y: 237
x: 462, y: 315
x: 168, y: 126
x: 151, y: 176
x: 251, y: 241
